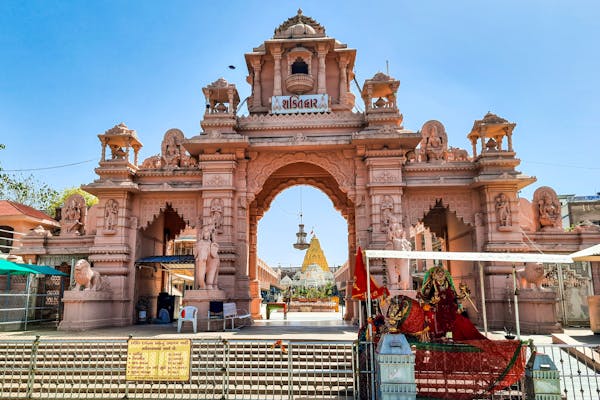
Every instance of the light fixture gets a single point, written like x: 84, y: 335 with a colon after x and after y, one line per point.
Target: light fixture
x: 301, y: 235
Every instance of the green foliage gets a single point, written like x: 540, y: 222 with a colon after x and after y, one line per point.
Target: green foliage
x: 26, y: 190
x: 90, y: 199
x: 327, y: 290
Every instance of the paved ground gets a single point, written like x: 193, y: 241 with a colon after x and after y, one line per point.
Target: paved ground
x: 327, y: 326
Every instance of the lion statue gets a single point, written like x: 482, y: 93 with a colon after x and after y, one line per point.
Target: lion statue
x: 532, y: 275
x: 86, y: 278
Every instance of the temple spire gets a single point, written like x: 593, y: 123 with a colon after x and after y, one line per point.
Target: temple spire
x: 315, y: 255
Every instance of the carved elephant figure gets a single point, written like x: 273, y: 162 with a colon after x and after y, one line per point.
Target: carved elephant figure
x: 207, y: 264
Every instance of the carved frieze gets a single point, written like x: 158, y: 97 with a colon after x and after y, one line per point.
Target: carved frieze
x: 216, y: 180
x: 267, y: 122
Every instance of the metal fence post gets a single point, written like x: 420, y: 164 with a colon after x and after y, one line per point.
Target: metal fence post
x: 290, y: 374
x: 32, y: 366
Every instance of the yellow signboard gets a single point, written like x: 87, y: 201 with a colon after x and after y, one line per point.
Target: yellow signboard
x: 158, y: 360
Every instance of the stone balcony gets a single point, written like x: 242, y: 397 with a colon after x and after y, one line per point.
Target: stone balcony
x: 299, y: 83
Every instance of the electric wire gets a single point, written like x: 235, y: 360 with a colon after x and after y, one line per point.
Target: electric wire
x: 45, y: 168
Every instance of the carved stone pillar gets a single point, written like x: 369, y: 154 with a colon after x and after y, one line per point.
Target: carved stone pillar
x: 277, y: 74
x: 343, y: 80
x: 321, y: 84
x: 230, y: 96
x: 257, y: 98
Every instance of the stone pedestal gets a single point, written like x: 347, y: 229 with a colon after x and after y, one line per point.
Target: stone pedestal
x: 537, y: 312
x: 87, y: 309
x: 201, y: 299
x: 594, y: 306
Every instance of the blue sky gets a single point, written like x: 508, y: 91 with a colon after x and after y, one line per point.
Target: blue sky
x: 69, y: 70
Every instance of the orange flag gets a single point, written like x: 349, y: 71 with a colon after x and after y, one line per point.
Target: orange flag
x: 359, y: 288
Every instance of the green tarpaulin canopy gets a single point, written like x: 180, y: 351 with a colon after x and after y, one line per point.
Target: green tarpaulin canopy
x: 8, y: 267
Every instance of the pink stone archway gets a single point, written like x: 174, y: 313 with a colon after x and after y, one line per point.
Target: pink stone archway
x: 287, y: 172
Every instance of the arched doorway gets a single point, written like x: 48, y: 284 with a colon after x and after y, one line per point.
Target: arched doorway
x: 290, y: 175
x: 164, y: 267
x: 326, y: 246
x: 441, y: 229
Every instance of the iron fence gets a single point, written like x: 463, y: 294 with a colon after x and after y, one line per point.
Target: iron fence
x: 30, y: 299
x: 45, y: 368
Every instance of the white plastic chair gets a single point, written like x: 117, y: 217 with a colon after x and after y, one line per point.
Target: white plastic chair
x: 188, y: 313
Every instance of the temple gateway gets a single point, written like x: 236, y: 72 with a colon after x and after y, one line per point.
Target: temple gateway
x: 396, y: 187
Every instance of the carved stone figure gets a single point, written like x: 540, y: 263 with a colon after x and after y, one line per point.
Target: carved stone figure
x: 86, y: 278
x: 206, y: 255
x: 216, y: 213
x: 532, y: 275
x: 111, y: 210
x: 73, y: 215
x: 503, y: 215
x: 398, y: 267
x: 547, y: 209
x: 387, y: 208
x: 172, y: 149
x: 458, y: 154
x: 153, y: 162
x: 434, y: 141
x: 117, y: 152
x: 40, y: 231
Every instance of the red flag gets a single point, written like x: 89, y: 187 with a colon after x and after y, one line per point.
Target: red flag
x: 359, y: 288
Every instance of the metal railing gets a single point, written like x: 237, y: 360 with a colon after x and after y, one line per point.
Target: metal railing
x: 220, y: 369
x: 46, y: 368
x: 36, y: 300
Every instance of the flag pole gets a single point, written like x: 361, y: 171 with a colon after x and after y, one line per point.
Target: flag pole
x: 369, y: 327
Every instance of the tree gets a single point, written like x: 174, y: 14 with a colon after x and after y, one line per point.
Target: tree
x: 26, y: 190
x: 58, y: 202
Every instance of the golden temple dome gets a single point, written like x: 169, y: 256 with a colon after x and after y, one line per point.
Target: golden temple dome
x: 315, y: 255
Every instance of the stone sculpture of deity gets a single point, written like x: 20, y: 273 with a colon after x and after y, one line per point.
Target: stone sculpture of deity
x: 73, y: 215
x: 111, y: 210
x: 503, y: 214
x: 547, y: 209
x: 434, y: 141
x: 206, y: 255
x: 216, y: 213
x: 396, y: 267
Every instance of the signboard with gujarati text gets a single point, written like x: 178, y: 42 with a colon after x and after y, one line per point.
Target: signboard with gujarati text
x: 300, y: 103
x: 158, y: 360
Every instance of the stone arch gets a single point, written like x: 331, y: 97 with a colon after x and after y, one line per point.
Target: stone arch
x: 418, y: 205
x: 293, y: 171
x: 152, y: 207
x: 331, y: 193
x: 334, y: 163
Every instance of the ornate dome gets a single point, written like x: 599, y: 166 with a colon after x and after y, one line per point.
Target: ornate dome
x: 299, y: 26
